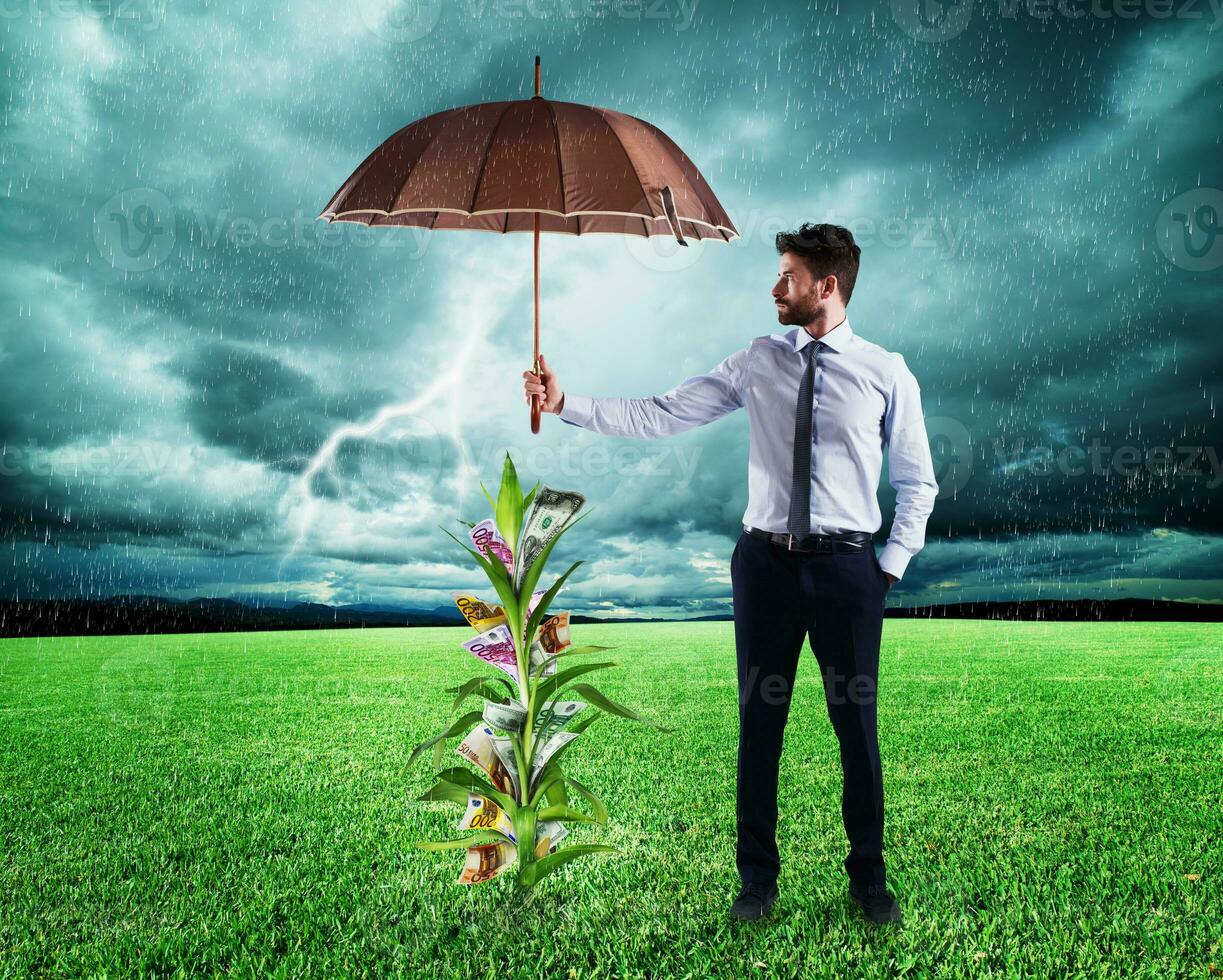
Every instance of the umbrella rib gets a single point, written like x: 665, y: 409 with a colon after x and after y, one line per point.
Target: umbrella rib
x: 560, y: 164
x: 484, y: 159
x: 624, y: 149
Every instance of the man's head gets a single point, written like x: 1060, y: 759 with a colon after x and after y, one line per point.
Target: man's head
x: 816, y: 274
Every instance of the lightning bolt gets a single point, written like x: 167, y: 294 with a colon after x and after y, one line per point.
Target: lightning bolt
x: 480, y: 308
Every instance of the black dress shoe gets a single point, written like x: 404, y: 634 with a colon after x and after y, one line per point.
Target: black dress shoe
x: 876, y: 902
x: 754, y: 902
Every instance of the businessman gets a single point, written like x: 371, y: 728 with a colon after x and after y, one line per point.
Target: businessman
x: 822, y: 403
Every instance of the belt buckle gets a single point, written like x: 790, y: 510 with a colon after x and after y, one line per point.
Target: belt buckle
x: 789, y: 542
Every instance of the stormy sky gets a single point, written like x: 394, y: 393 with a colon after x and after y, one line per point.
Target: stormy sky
x: 208, y: 392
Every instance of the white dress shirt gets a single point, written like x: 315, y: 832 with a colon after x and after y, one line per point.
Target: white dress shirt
x: 865, y: 397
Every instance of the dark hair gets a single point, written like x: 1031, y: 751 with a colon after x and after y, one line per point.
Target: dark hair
x: 829, y: 250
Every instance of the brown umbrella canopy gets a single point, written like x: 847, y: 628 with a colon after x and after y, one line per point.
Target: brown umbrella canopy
x: 490, y: 167
x: 533, y: 165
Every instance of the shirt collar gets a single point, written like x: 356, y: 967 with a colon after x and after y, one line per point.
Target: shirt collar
x: 837, y: 338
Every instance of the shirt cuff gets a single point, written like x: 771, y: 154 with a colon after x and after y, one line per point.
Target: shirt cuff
x: 576, y: 410
x: 894, y: 559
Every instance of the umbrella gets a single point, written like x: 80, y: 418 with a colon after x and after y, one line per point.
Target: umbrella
x: 533, y: 165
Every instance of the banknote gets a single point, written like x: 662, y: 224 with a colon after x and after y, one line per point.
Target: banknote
x: 547, y: 751
x: 551, y: 510
x: 496, y: 647
x: 554, y: 633
x: 479, y: 614
x: 485, y: 538
x: 533, y: 602
x: 554, y: 717
x: 549, y: 834
x: 478, y: 748
x: 483, y: 814
x: 539, y: 656
x: 487, y: 861
x: 508, y: 717
x: 505, y: 752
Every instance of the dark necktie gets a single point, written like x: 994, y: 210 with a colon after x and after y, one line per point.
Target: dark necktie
x: 799, y: 523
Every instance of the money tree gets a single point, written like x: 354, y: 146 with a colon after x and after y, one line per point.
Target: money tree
x: 521, y: 805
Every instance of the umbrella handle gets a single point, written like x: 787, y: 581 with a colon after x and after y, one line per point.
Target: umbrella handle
x: 537, y: 413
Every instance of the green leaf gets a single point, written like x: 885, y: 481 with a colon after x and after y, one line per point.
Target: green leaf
x: 491, y: 503
x: 503, y: 582
x: 481, y: 687
x: 584, y: 722
x: 537, y: 568
x: 565, y: 813
x: 569, y: 652
x: 532, y: 874
x: 442, y: 790
x: 541, y: 609
x: 508, y: 512
x: 550, y: 686
x: 600, y: 700
x: 555, y: 794
x: 484, y: 837
x: 547, y: 779
x: 469, y: 782
x: 596, y: 804
x: 450, y: 731
x: 480, y: 559
x: 529, y: 498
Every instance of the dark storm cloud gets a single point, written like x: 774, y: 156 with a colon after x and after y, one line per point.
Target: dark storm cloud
x: 1041, y: 319
x: 261, y: 408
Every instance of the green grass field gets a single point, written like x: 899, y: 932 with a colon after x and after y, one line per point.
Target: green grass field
x: 240, y: 804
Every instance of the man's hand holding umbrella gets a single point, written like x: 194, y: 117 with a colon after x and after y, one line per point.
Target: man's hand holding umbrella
x: 544, y: 385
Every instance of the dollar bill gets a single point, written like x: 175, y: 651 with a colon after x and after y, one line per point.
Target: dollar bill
x: 487, y: 861
x: 480, y: 615
x: 553, y: 717
x: 548, y: 835
x: 505, y: 752
x: 486, y: 539
x: 478, y: 748
x: 547, y: 751
x: 508, y: 717
x: 484, y: 814
x: 551, y: 511
x: 539, y: 655
x: 495, y: 647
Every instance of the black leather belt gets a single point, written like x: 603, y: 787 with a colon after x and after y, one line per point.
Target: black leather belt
x: 847, y: 542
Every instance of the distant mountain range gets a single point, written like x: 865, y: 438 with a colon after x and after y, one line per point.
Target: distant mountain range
x: 139, y: 614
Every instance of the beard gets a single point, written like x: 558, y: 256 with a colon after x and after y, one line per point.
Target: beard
x: 799, y: 313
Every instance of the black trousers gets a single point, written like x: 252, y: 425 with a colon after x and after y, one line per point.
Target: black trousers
x: 837, y: 601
